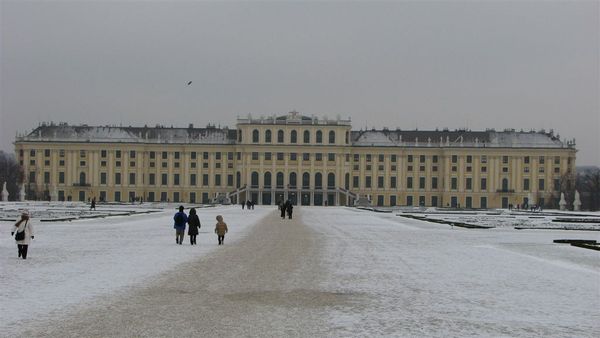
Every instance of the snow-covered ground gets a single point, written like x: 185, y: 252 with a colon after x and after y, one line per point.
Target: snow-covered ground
x: 550, y: 219
x: 427, y: 279
x: 403, y: 277
x: 70, y: 263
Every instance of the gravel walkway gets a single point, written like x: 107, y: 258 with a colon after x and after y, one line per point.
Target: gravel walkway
x: 266, y: 285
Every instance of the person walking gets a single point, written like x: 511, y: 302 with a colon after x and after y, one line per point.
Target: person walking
x: 194, y: 225
x: 243, y: 204
x: 180, y: 219
x: 282, y: 207
x: 24, y: 235
x: 93, y: 205
x: 289, y: 209
x: 221, y: 229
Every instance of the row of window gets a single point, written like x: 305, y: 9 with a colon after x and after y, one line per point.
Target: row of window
x: 292, y: 182
x: 268, y: 137
x: 381, y: 157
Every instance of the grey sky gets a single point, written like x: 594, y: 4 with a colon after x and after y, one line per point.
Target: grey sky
x: 493, y: 64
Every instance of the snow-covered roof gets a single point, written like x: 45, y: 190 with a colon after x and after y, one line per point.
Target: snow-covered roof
x: 379, y: 138
x: 457, y: 138
x: 67, y: 133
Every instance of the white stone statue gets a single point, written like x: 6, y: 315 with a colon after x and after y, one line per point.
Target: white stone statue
x: 562, y: 204
x: 22, y: 193
x: 577, y: 202
x: 4, y: 193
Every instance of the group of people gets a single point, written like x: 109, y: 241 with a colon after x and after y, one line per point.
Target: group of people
x: 249, y: 204
x: 286, y: 208
x: 181, y: 219
x: 23, y: 229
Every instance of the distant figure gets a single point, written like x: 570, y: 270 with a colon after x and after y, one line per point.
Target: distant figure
x: 289, y: 209
x: 221, y: 229
x: 282, y: 207
x: 252, y: 204
x: 93, y: 205
x: 180, y: 219
x: 194, y: 225
x: 243, y: 204
x: 24, y: 235
x: 249, y: 204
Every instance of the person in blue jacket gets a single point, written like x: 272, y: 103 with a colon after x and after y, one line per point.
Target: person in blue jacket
x: 180, y: 219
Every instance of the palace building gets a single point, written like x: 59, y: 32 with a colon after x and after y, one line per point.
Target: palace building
x: 309, y: 160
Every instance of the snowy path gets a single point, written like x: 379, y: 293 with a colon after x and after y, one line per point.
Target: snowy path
x: 73, y: 265
x: 342, y: 272
x: 263, y: 286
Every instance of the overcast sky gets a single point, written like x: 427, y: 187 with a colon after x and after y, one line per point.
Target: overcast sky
x: 473, y: 64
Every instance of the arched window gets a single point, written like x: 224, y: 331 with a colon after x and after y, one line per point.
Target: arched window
x: 331, y: 181
x: 280, y: 136
x: 267, y: 182
x: 294, y: 137
x: 319, y: 136
x: 279, y: 179
x: 238, y: 179
x: 254, y: 180
x: 255, y: 136
x: 268, y: 136
x: 331, y: 137
x: 306, y: 136
x: 505, y: 184
x: 318, y: 181
x: 82, y: 178
x: 293, y: 181
x: 239, y: 136
x: 305, y: 181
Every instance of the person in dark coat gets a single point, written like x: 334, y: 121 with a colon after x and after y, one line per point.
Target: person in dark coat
x: 194, y: 225
x: 93, y: 205
x: 289, y: 209
x: 180, y: 219
x: 243, y: 204
x: 282, y: 209
x: 249, y: 204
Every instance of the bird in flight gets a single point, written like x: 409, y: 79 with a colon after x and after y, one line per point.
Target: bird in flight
x: 189, y: 83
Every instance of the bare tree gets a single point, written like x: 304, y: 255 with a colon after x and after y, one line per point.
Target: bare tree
x: 11, y: 173
x: 588, y: 185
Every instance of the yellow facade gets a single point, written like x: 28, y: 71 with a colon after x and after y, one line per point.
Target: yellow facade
x: 308, y: 160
